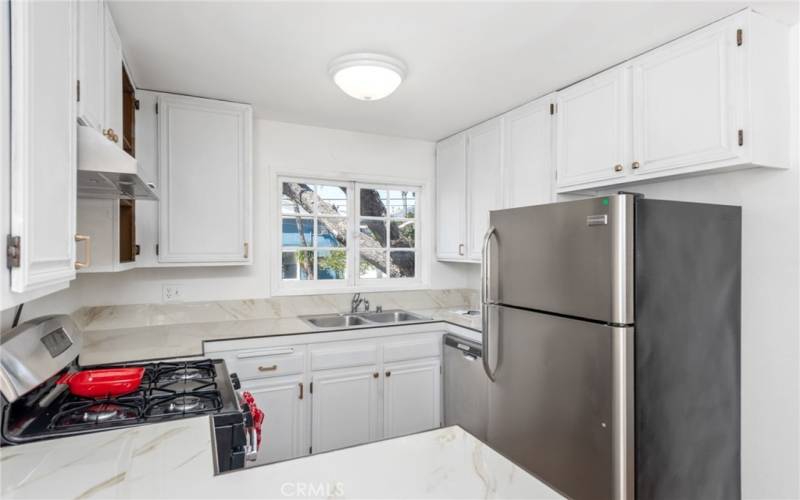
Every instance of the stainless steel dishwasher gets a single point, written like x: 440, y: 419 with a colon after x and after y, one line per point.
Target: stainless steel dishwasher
x: 466, y: 388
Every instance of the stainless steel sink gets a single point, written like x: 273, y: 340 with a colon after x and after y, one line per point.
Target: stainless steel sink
x: 391, y: 317
x: 334, y: 321
x: 361, y: 319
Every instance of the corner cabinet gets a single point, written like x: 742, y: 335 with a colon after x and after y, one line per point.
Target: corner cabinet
x: 501, y: 163
x: 205, y: 170
x: 715, y: 99
x: 43, y: 147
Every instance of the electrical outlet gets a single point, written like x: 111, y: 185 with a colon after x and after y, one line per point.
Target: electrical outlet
x: 172, y: 293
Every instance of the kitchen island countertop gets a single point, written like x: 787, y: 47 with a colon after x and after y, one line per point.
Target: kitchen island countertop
x: 174, y: 460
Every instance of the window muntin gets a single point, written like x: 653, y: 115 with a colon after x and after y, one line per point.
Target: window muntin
x: 316, y: 218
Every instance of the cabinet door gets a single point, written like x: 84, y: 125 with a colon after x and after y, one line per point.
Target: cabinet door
x: 683, y: 102
x: 412, y: 398
x: 113, y: 79
x: 204, y: 166
x: 344, y: 408
x: 43, y: 141
x: 484, y: 181
x: 284, y: 433
x: 91, y: 40
x: 147, y: 161
x: 591, y: 129
x: 451, y: 178
x: 527, y: 155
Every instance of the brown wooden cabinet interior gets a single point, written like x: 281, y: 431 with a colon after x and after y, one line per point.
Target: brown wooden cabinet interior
x: 127, y: 208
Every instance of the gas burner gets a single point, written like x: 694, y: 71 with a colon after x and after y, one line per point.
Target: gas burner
x: 184, y: 403
x: 101, y: 413
x: 184, y: 374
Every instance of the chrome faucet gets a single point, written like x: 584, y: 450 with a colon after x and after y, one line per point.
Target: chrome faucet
x: 356, y: 302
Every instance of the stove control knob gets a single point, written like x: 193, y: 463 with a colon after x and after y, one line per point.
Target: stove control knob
x: 235, y: 381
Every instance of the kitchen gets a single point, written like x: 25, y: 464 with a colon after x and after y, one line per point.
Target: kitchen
x: 248, y: 210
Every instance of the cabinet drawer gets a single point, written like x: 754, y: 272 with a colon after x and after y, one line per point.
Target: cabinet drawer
x: 400, y: 350
x: 269, y: 362
x: 344, y: 355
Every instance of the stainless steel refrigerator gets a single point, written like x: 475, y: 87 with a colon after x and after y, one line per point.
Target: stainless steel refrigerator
x: 612, y: 341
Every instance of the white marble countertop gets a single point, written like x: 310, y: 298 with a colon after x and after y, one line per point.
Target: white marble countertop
x: 174, y: 460
x: 186, y: 339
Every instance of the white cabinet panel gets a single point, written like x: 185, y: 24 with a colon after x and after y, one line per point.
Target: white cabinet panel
x: 528, y: 154
x: 411, y: 397
x: 683, y: 102
x: 43, y: 141
x: 591, y: 129
x: 344, y: 408
x: 113, y: 79
x: 285, y: 428
x: 204, y: 180
x: 91, y: 40
x: 451, y: 192
x: 484, y: 181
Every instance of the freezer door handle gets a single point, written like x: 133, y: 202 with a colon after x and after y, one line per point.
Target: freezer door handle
x: 486, y: 278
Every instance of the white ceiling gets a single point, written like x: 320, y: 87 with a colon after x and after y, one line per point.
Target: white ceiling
x: 467, y: 61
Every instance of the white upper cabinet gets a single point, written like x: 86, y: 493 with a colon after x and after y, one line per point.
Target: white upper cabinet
x: 412, y: 399
x: 112, y: 125
x: 451, y: 204
x: 690, y: 98
x: 527, y: 154
x: 714, y: 99
x: 91, y: 15
x: 484, y: 181
x: 204, y: 161
x: 43, y: 142
x: 591, y: 129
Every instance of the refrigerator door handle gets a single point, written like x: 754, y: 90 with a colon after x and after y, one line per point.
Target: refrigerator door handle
x: 486, y: 277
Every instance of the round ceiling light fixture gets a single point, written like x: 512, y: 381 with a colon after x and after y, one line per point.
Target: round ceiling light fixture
x: 367, y: 77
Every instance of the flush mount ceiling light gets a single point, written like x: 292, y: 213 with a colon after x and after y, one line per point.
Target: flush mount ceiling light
x: 367, y: 77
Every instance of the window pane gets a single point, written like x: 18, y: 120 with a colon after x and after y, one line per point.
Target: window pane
x: 331, y: 264
x: 402, y: 204
x: 373, y: 202
x: 296, y: 198
x: 297, y: 232
x: 297, y: 265
x: 402, y: 264
x: 372, y: 233
x: 331, y: 200
x: 372, y: 264
x: 332, y: 232
x: 402, y: 234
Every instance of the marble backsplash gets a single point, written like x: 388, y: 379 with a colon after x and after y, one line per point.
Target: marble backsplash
x: 142, y: 315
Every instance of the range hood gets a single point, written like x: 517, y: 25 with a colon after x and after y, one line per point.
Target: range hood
x: 106, y: 171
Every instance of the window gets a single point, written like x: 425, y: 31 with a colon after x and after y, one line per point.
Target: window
x: 347, y: 234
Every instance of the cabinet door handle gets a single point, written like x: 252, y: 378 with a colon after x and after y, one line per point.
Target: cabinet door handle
x: 618, y: 168
x: 111, y: 135
x: 388, y: 374
x: 460, y: 249
x: 635, y: 165
x: 246, y: 249
x: 268, y: 368
x: 301, y: 391
x: 87, y: 249
x: 375, y: 375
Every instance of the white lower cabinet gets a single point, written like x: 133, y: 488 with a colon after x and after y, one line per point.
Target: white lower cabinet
x: 325, y: 395
x: 412, y: 397
x: 344, y: 407
x: 284, y: 431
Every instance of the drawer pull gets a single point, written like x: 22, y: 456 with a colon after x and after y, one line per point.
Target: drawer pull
x: 301, y: 390
x: 268, y: 368
x: 265, y: 352
x: 388, y: 374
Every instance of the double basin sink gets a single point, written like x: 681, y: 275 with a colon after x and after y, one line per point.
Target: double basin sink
x: 362, y: 319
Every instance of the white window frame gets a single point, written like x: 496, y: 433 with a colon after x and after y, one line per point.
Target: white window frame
x: 352, y: 281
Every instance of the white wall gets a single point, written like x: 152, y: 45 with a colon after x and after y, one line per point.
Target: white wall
x: 286, y: 148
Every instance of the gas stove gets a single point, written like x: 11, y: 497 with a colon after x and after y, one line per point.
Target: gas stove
x: 39, y: 408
